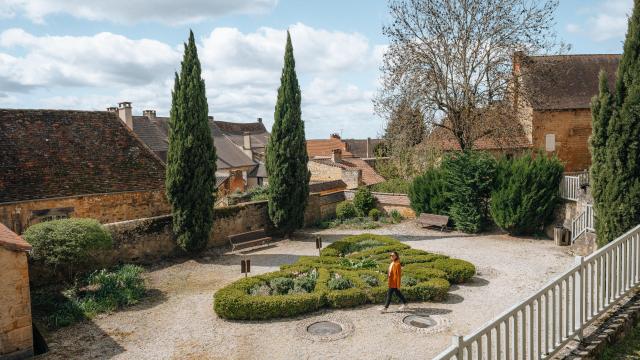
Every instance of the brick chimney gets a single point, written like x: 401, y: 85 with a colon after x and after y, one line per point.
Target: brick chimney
x: 151, y: 114
x: 246, y: 144
x: 112, y: 109
x: 124, y: 113
x: 336, y: 156
x: 260, y: 120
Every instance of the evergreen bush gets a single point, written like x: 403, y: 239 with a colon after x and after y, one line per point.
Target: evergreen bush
x: 345, y: 210
x: 469, y: 178
x: 374, y: 214
x: 428, y: 194
x: 67, y: 243
x: 364, y: 201
x: 527, y: 191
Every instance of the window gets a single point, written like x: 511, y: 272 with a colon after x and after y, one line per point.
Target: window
x: 38, y: 216
x: 550, y: 142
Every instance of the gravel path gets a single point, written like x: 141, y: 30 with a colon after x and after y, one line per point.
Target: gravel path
x: 178, y: 321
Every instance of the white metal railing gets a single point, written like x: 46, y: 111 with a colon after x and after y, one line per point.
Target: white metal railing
x: 582, y: 223
x: 569, y: 187
x: 542, y: 324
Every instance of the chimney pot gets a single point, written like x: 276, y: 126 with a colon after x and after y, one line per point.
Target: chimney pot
x: 260, y: 120
x: 112, y: 109
x: 334, y: 136
x: 151, y: 114
x: 336, y: 156
x: 124, y: 113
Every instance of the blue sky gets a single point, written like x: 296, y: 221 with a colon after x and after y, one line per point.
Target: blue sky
x: 90, y: 54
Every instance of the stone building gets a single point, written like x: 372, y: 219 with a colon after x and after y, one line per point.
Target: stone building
x: 61, y: 163
x: 240, y: 147
x: 353, y: 172
x: 16, y: 333
x: 555, y: 106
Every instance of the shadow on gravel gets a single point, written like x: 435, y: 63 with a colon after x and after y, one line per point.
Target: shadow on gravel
x: 84, y: 340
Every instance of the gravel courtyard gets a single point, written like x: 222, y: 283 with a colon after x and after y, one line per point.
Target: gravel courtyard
x: 178, y: 321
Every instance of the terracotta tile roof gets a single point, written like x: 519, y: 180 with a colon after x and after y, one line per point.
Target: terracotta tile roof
x: 55, y: 153
x: 10, y: 240
x: 324, y: 147
x: 563, y: 82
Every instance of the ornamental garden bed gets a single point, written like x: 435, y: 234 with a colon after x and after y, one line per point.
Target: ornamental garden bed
x: 348, y: 273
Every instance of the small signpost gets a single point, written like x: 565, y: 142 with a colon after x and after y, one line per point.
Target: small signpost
x: 318, y: 244
x: 245, y: 266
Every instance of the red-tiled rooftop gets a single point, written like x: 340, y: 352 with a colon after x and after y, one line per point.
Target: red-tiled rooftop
x: 10, y: 240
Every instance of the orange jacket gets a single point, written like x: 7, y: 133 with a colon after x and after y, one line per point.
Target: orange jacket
x: 395, y: 274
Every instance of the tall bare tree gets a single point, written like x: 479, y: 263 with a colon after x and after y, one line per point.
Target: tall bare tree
x: 453, y: 59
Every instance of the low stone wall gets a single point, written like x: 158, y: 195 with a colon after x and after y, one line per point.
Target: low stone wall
x: 387, y: 202
x: 15, y: 313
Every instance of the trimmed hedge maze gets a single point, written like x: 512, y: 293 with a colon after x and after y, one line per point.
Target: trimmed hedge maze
x: 350, y: 272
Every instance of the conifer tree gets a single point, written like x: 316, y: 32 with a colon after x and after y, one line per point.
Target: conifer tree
x: 618, y: 186
x: 191, y: 158
x: 286, y: 157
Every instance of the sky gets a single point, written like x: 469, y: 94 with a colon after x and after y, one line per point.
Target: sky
x: 92, y: 54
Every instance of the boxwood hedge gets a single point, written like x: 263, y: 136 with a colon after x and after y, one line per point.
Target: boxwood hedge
x: 433, y: 274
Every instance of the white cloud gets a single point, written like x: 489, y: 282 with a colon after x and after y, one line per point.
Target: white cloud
x: 101, y: 60
x: 607, y: 20
x: 241, y: 70
x: 126, y: 11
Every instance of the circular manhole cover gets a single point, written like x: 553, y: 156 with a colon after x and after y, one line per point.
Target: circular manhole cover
x: 323, y: 328
x: 419, y: 321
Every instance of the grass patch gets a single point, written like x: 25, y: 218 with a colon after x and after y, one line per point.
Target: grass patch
x: 102, y: 291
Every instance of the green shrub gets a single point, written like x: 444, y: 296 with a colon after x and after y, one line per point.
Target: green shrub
x: 374, y: 214
x: 458, y: 271
x: 259, y: 193
x: 345, y: 210
x: 409, y: 281
x: 527, y: 191
x: 469, y: 178
x: 370, y: 280
x: 428, y: 193
x: 102, y: 291
x: 343, y: 279
x: 395, y: 186
x: 339, y: 283
x: 67, y: 243
x: 281, y: 285
x: 396, y: 216
x: 363, y: 201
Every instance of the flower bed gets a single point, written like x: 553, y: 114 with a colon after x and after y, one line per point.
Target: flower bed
x: 349, y: 272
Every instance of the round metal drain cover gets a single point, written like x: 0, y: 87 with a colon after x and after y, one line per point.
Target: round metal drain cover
x: 419, y: 321
x: 323, y: 328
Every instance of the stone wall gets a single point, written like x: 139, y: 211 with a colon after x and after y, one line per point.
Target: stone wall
x: 387, y: 202
x: 106, y: 208
x: 15, y: 310
x: 572, y: 129
x: 322, y: 172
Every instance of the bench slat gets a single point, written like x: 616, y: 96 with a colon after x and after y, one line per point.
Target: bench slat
x: 427, y: 220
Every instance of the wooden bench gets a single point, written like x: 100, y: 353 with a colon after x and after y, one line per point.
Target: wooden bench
x: 249, y: 239
x: 433, y: 220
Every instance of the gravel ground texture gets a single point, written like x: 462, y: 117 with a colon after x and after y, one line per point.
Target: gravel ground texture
x: 177, y: 321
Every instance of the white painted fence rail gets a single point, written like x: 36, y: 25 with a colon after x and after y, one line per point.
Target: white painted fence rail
x: 542, y: 324
x: 582, y: 223
x: 569, y: 187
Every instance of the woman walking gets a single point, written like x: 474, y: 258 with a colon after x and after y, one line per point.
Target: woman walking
x: 395, y: 275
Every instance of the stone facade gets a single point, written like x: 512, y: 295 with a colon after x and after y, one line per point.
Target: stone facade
x: 323, y: 172
x: 106, y: 208
x: 16, y: 333
x: 571, y: 130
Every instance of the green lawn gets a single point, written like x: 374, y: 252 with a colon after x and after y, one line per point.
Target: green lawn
x: 628, y: 348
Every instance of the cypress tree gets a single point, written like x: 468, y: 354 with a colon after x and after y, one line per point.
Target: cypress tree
x: 286, y: 157
x: 618, y: 204
x: 191, y: 158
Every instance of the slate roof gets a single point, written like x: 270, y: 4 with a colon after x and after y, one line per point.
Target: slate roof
x: 235, y: 132
x: 11, y: 241
x: 563, y: 82
x: 155, y: 133
x: 57, y: 153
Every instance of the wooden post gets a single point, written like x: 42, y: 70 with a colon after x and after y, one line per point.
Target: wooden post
x: 319, y: 244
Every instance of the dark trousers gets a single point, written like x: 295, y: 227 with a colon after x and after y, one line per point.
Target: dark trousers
x: 392, y: 291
